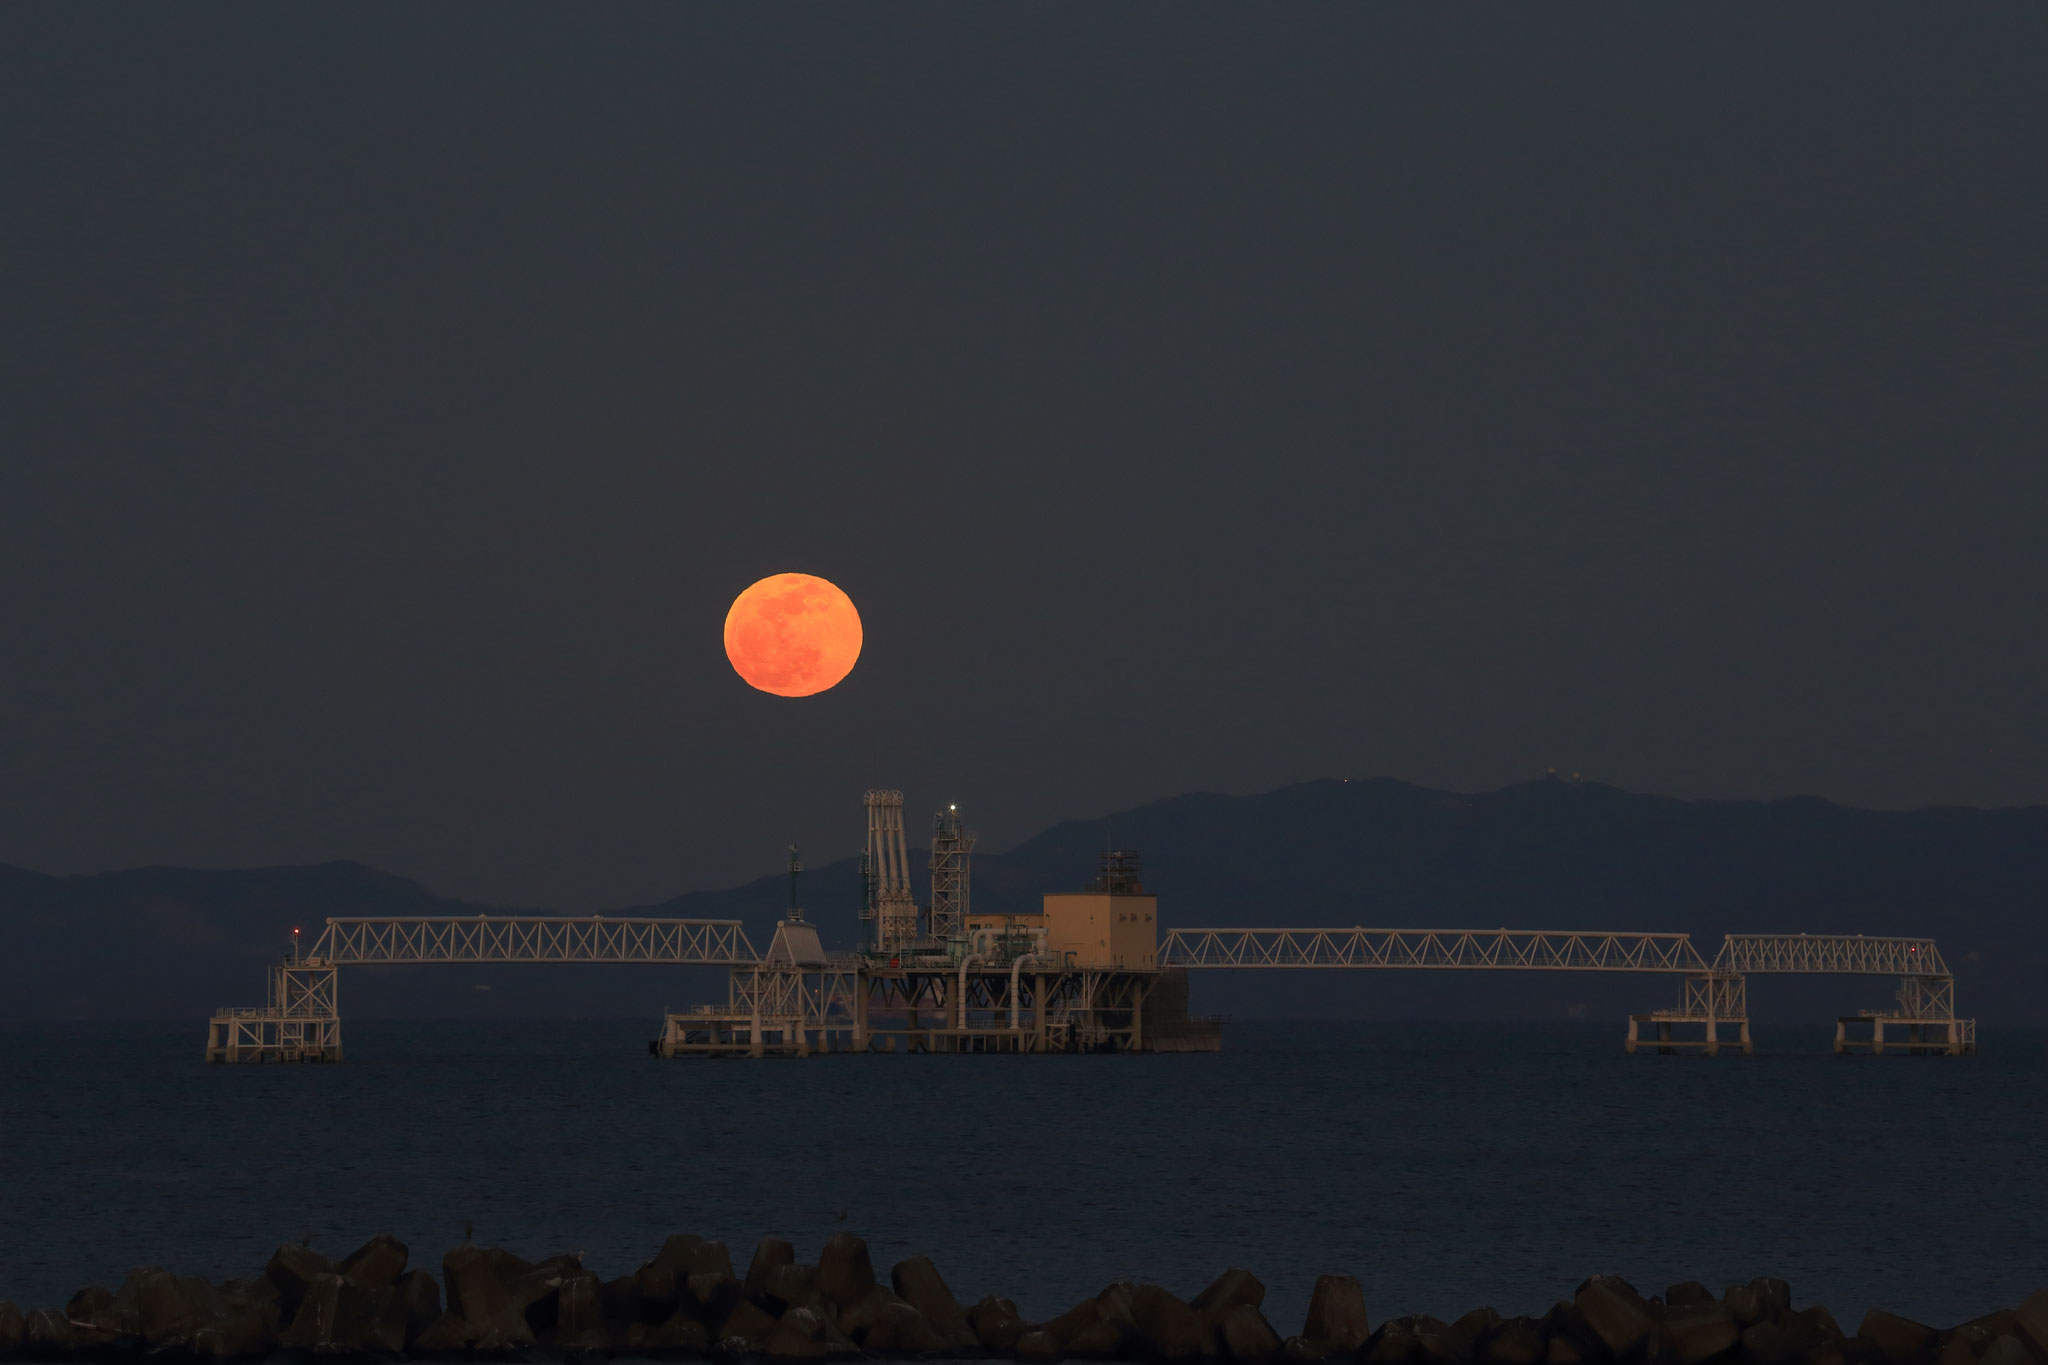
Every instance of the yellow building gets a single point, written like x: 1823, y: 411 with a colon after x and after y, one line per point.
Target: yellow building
x: 1103, y: 929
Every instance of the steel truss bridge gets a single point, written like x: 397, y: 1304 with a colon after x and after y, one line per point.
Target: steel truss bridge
x: 1540, y: 950
x: 1714, y: 994
x: 542, y: 939
x: 818, y: 998
x: 302, y: 1022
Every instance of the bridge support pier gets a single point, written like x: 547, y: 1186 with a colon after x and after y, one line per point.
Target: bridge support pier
x: 1712, y: 1004
x: 1924, y: 1024
x: 302, y: 1022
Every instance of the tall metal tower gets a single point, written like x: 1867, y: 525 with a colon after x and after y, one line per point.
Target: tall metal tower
x: 952, y: 852
x: 895, y: 913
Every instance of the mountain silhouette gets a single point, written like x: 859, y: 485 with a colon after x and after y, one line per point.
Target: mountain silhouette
x: 174, y: 943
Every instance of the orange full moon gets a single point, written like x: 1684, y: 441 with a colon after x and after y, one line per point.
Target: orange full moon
x: 792, y: 634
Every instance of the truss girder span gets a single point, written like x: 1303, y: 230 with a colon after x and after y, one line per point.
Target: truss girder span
x: 555, y: 940
x: 1830, y: 955
x: 1483, y: 949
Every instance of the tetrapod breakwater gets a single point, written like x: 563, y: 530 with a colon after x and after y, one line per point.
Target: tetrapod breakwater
x: 690, y: 1302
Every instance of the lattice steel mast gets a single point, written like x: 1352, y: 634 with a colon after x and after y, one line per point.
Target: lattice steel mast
x: 952, y: 855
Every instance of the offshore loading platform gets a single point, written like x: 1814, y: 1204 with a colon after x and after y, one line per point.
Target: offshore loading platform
x: 1091, y: 971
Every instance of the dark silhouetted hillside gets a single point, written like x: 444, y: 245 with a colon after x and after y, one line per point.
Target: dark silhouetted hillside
x: 173, y: 943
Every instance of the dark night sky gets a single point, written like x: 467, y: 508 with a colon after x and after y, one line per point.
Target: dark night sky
x: 395, y: 396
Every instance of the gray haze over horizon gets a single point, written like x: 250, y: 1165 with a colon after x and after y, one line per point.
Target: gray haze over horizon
x: 1189, y: 397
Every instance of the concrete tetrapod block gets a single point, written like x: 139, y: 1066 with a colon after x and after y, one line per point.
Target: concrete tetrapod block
x: 507, y: 1265
x: 240, y: 1337
x: 385, y: 1327
x: 802, y: 1334
x: 677, y: 1254
x: 446, y: 1335
x: 13, y: 1329
x: 795, y: 1286
x: 1564, y: 1351
x: 1418, y: 1339
x: 899, y: 1329
x: 538, y: 1291
x: 1995, y: 1325
x: 162, y: 1314
x: 1071, y: 1323
x: 683, y: 1333
x: 291, y: 1269
x: 1811, y: 1327
x: 1118, y: 1304
x: 710, y: 1258
x: 1768, y: 1343
x: 579, y: 1314
x: 2030, y: 1324
x: 2006, y: 1350
x: 712, y: 1295
x: 93, y: 1305
x: 1564, y: 1322
x: 1433, y: 1337
x: 845, y: 1271
x: 420, y: 1295
x: 1393, y: 1343
x: 1687, y: 1294
x: 1517, y: 1341
x: 996, y: 1322
x: 1745, y: 1303
x: 857, y: 1320
x: 918, y: 1282
x: 1102, y: 1340
x: 1617, y: 1314
x: 494, y: 1319
x: 1039, y: 1347
x: 1248, y: 1339
x: 1304, y: 1351
x: 47, y: 1332
x: 1468, y: 1330
x: 747, y: 1323
x: 1228, y: 1290
x: 1695, y: 1333
x: 376, y: 1263
x: 655, y: 1291
x: 329, y: 1317
x: 1336, y: 1313
x: 770, y: 1254
x: 1175, y: 1331
x: 1899, y: 1341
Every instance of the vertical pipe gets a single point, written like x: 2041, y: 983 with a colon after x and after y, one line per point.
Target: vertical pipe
x: 860, y: 1009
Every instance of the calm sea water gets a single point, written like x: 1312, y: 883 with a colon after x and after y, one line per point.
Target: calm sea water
x: 1448, y: 1166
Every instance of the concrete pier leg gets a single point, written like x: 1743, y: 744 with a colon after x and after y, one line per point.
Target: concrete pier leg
x: 1629, y: 1047
x: 1747, y: 1049
x: 1877, y: 1036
